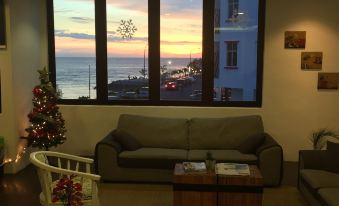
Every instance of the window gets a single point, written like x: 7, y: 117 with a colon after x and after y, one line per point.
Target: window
x: 166, y: 52
x: 231, y: 54
x: 127, y: 50
x: 75, y: 62
x: 180, y: 50
x: 239, y: 53
x: 233, y: 7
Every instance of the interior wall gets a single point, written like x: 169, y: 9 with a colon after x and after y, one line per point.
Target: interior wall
x: 23, y: 57
x: 292, y: 106
x: 7, y: 117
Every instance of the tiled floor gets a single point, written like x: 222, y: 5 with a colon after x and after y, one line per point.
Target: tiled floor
x: 23, y: 189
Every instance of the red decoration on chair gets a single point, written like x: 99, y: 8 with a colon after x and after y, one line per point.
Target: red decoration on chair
x: 68, y: 192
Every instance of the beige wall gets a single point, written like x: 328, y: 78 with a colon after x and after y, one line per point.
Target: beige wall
x: 7, y: 117
x: 292, y: 106
x: 22, y: 58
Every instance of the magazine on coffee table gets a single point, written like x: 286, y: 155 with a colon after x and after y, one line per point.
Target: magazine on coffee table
x: 194, y: 167
x: 232, y: 169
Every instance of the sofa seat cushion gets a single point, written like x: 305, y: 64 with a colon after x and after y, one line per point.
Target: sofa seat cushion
x: 316, y: 179
x: 223, y: 133
x: 158, y: 158
x: 156, y: 132
x: 330, y: 196
x: 222, y: 156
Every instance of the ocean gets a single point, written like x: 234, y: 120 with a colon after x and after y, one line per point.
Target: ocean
x: 75, y: 74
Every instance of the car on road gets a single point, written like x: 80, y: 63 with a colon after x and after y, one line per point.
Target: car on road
x: 129, y: 95
x: 171, y: 86
x: 143, y: 92
x: 191, y: 79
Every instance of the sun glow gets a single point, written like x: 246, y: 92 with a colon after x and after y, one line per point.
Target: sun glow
x: 181, y: 29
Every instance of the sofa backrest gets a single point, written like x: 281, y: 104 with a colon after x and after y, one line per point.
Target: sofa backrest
x: 223, y: 133
x: 156, y: 132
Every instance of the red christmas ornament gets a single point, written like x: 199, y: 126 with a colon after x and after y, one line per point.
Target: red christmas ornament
x: 37, y: 91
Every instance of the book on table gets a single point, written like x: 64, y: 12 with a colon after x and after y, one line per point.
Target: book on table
x: 194, y: 167
x: 232, y: 169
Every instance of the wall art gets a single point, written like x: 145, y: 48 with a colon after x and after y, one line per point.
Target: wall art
x: 311, y: 60
x: 327, y: 80
x: 295, y: 39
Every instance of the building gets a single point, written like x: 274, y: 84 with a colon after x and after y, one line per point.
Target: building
x: 236, y: 31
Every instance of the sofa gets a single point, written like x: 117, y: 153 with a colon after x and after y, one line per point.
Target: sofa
x: 319, y: 176
x: 145, y: 149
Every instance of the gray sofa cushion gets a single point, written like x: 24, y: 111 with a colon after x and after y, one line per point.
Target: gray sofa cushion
x: 333, y: 151
x: 330, y: 196
x: 156, y: 132
x: 316, y: 179
x: 160, y: 158
x: 223, y: 133
x: 126, y: 140
x: 251, y: 143
x: 222, y: 156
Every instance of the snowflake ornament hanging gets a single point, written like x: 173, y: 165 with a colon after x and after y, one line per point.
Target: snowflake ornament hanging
x: 126, y: 29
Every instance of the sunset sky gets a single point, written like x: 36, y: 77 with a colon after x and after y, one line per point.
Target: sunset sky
x: 181, y: 28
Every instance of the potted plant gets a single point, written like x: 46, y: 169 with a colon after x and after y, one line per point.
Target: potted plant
x: 320, y: 137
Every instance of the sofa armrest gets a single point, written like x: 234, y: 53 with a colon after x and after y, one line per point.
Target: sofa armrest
x: 268, y: 143
x: 106, y: 148
x: 270, y: 161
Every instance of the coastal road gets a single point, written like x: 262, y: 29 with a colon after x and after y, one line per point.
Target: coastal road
x: 182, y: 93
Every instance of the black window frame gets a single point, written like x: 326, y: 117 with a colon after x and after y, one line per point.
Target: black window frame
x: 154, y: 59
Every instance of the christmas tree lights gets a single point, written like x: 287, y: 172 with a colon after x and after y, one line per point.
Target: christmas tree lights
x: 47, y: 127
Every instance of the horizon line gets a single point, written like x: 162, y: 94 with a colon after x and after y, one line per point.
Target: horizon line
x: 125, y: 57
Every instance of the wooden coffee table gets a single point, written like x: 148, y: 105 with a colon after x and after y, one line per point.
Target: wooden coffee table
x: 209, y: 189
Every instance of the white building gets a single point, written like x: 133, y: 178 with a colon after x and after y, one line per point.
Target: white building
x: 236, y: 23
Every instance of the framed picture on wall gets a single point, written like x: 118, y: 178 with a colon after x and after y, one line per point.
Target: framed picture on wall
x: 327, y: 80
x: 295, y: 39
x: 2, y: 25
x: 311, y: 60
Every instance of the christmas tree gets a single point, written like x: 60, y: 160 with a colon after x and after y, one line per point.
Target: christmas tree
x: 47, y: 127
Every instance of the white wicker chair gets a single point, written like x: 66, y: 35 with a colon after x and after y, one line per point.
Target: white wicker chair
x: 64, y: 165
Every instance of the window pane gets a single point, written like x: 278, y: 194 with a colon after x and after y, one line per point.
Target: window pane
x: 127, y: 47
x: 240, y: 33
x: 74, y: 30
x: 181, y: 47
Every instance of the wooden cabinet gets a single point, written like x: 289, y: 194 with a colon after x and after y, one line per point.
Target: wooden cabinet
x: 193, y: 189
x: 241, y: 190
x: 209, y: 189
